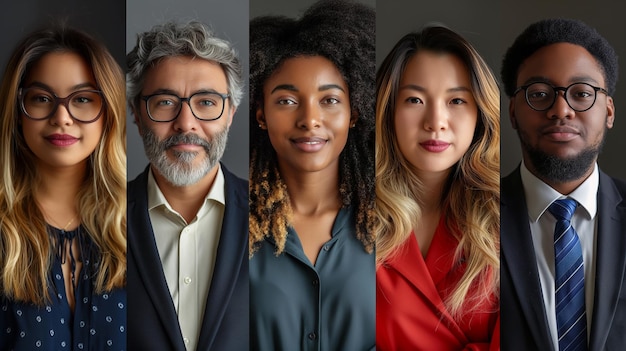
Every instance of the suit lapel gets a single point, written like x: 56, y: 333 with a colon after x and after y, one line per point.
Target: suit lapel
x: 519, y: 254
x: 610, y: 260
x: 232, y: 253
x: 142, y: 246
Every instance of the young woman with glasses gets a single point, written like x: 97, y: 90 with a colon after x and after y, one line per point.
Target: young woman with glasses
x: 62, y: 196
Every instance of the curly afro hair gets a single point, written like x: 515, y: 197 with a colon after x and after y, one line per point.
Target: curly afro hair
x: 344, y: 33
x: 552, y: 31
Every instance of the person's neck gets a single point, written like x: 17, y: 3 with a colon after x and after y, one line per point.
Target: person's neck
x: 57, y: 192
x: 433, y: 184
x: 565, y: 187
x: 313, y: 193
x: 186, y: 200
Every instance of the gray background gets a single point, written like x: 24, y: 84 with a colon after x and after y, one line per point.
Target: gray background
x: 229, y: 20
x: 104, y: 20
x: 492, y: 26
x: 289, y: 8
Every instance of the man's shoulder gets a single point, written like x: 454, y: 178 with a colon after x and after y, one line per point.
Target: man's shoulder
x: 238, y: 185
x: 620, y: 184
x: 139, y: 183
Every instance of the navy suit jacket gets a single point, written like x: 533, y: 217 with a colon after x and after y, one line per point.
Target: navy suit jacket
x: 524, y: 324
x: 152, y: 320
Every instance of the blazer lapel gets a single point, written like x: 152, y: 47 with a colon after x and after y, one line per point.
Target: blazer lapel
x: 610, y: 260
x: 519, y: 254
x: 232, y: 253
x: 410, y: 263
x: 142, y: 246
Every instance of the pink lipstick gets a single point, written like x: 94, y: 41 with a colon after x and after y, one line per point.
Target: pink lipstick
x: 434, y: 145
x: 61, y: 139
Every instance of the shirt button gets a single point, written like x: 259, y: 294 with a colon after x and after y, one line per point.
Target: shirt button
x: 186, y: 341
x: 312, y: 336
x: 187, y: 280
x: 316, y: 282
x: 326, y: 247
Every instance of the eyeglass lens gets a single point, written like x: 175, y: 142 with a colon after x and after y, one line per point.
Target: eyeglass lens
x: 166, y: 107
x: 83, y: 105
x: 579, y: 96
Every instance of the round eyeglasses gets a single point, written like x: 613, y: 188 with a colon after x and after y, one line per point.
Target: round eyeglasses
x: 84, y: 106
x: 579, y: 96
x: 205, y: 106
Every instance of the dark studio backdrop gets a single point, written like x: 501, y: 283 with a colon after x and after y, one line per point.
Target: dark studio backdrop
x: 104, y: 20
x: 229, y: 20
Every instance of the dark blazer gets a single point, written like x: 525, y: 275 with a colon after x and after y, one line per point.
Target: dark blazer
x: 152, y: 320
x: 524, y: 323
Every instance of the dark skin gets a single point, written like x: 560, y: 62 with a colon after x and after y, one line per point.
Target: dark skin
x: 561, y: 131
x: 306, y: 111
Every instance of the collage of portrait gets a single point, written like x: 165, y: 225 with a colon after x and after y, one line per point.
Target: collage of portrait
x: 324, y: 175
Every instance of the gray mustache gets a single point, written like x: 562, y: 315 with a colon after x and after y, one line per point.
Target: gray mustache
x: 184, y: 139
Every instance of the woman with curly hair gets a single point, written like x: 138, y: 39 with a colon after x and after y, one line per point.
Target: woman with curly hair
x: 312, y: 266
x: 437, y: 187
x: 62, y: 196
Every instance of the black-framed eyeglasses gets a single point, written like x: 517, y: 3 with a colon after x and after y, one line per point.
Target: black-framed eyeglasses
x: 38, y: 103
x: 204, y: 105
x: 579, y: 96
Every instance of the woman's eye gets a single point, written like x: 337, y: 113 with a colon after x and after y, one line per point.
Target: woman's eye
x: 330, y: 101
x: 414, y: 100
x: 457, y: 101
x: 286, y: 102
x: 82, y: 100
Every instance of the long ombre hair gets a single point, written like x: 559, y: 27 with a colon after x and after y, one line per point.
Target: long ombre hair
x: 25, y: 247
x: 471, y: 198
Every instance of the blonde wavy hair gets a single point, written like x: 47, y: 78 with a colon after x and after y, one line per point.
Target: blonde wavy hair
x: 25, y: 247
x: 471, y: 198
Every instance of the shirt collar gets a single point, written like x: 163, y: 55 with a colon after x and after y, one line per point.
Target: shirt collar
x: 216, y: 193
x: 539, y: 195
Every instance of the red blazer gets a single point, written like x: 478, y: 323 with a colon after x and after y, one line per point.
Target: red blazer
x: 410, y: 313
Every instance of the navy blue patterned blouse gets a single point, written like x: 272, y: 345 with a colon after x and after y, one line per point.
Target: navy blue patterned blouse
x: 98, y: 321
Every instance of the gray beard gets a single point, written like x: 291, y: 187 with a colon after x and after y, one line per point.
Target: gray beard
x: 181, y: 172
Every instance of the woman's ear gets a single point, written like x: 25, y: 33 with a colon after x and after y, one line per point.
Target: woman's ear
x: 260, y: 118
x: 353, y: 118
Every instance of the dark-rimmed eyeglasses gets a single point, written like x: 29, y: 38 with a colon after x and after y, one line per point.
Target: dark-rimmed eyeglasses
x: 205, y: 106
x: 84, y: 106
x: 579, y: 96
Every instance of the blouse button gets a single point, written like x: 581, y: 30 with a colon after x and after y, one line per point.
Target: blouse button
x: 187, y: 280
x: 312, y: 336
x: 326, y: 247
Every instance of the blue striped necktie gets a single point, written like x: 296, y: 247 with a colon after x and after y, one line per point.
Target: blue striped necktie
x: 571, y: 317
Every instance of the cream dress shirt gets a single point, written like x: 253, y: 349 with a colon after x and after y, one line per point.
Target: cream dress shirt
x: 539, y: 196
x: 187, y: 252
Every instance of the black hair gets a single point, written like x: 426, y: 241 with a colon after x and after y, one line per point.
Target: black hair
x: 552, y: 31
x: 344, y: 33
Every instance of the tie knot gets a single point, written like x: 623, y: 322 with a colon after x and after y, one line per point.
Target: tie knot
x: 563, y: 209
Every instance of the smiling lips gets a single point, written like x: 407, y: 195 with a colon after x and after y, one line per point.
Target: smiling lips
x: 309, y: 144
x: 61, y: 139
x: 435, y: 145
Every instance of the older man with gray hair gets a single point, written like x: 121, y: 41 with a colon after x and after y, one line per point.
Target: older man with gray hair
x: 187, y: 214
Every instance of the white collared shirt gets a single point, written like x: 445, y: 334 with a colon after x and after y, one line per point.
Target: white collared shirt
x: 187, y: 252
x: 539, y: 196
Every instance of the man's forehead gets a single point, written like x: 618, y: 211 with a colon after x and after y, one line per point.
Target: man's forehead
x: 177, y: 70
x: 574, y: 63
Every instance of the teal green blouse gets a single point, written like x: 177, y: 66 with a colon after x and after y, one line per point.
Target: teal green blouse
x: 330, y: 306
